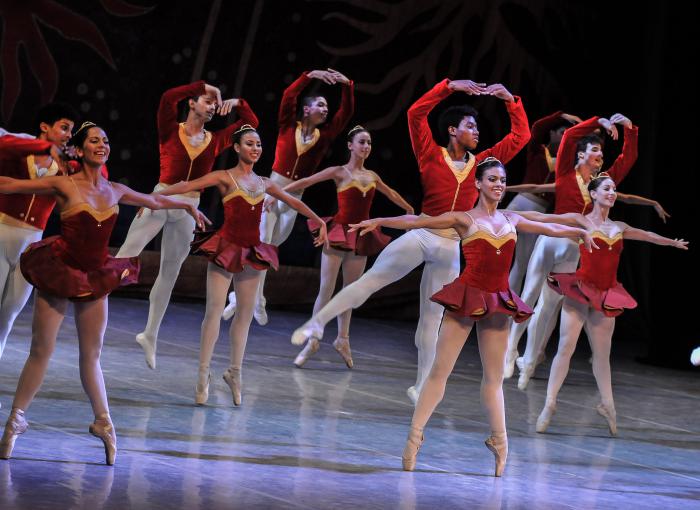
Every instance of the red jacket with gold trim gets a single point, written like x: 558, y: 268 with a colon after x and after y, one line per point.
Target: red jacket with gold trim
x: 17, y: 161
x: 442, y: 190
x: 570, y: 197
x: 179, y: 161
x: 292, y: 161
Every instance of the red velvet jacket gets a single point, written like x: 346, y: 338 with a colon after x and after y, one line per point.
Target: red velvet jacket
x: 17, y: 161
x: 288, y: 160
x: 570, y: 197
x: 442, y: 191
x: 538, y: 167
x: 179, y: 161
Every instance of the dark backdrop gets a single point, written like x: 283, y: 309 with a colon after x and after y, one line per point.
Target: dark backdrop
x: 113, y: 59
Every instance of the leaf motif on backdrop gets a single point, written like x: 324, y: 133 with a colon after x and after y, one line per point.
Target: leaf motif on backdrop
x: 21, y: 28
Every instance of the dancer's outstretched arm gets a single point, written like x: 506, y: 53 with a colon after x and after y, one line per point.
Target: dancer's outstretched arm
x: 636, y: 234
x: 570, y: 219
x: 637, y: 200
x: 157, y: 201
x: 392, y: 194
x: 552, y: 230
x: 327, y: 174
x: 456, y: 220
x: 275, y: 191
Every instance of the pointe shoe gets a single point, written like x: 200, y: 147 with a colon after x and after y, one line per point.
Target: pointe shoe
x: 230, y: 309
x: 545, y: 417
x: 308, y: 330
x: 102, y: 428
x: 16, y: 425
x: 499, y: 447
x: 610, y: 416
x: 509, y: 366
x: 201, y: 390
x: 232, y: 376
x: 526, y: 372
x: 413, y: 394
x: 413, y: 443
x: 148, y: 344
x: 260, y: 313
x: 342, y: 345
x: 311, y: 348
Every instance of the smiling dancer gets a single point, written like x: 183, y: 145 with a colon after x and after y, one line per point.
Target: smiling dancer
x: 481, y: 296
x: 187, y: 152
x: 592, y: 295
x: 579, y: 159
x: 447, y: 177
x: 76, y: 266
x: 302, y: 141
x: 23, y: 217
x: 236, y: 252
x: 356, y: 188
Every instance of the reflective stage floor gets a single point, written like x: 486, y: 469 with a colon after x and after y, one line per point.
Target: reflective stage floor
x: 325, y: 437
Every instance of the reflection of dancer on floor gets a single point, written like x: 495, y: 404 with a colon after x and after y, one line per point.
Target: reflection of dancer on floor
x: 592, y: 295
x: 236, y: 252
x: 302, y: 141
x: 187, y: 151
x: 356, y: 187
x: 541, y: 158
x: 579, y: 158
x: 23, y: 217
x: 481, y: 296
x: 448, y: 185
x: 76, y: 266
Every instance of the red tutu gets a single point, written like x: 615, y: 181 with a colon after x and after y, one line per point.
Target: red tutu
x: 340, y: 238
x: 44, y: 265
x: 233, y: 257
x: 612, y: 302
x: 468, y: 301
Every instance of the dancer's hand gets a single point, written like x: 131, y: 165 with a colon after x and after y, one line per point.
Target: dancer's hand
x: 227, y: 106
x: 609, y: 127
x: 213, y: 91
x: 499, y: 91
x: 322, y: 237
x: 324, y: 76
x: 618, y: 118
x: 61, y: 159
x: 588, y: 242
x: 661, y: 211
x: 269, y: 203
x: 365, y: 226
x: 339, y: 77
x: 468, y: 87
x: 199, y: 218
x: 571, y: 118
x: 680, y: 244
x: 410, y: 211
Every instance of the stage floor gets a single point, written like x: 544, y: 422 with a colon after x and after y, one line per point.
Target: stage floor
x: 325, y: 437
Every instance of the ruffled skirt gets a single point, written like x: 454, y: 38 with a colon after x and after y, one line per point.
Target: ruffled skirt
x: 612, y: 302
x: 468, y: 301
x: 233, y: 257
x: 340, y: 238
x: 43, y: 265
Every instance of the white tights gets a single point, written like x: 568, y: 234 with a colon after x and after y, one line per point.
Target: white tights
x: 245, y: 286
x: 331, y: 262
x: 599, y: 330
x: 276, y: 225
x: 551, y: 254
x: 492, y: 334
x: 178, y: 232
x: 441, y: 257
x: 526, y: 242
x: 14, y: 289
